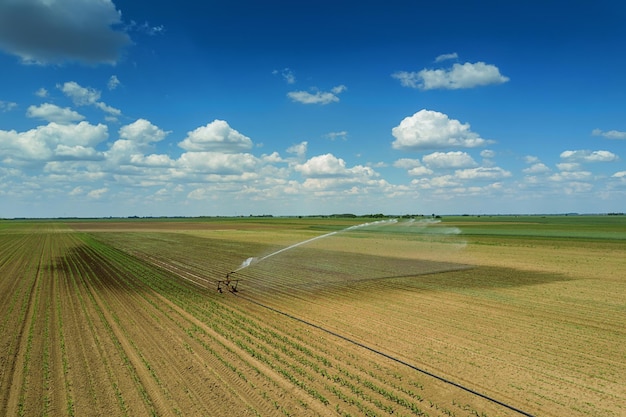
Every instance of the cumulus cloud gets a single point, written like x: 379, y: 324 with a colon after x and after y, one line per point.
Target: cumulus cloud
x: 42, y: 92
x: 217, y: 163
x: 85, y: 96
x: 328, y: 165
x: 142, y: 132
x: 216, y: 136
x: 589, y: 156
x: 448, y: 160
x: 45, y: 32
x: 299, y: 150
x: 77, y: 152
x: 482, y: 173
x: 611, y: 134
x: 429, y: 129
x: 54, y: 113
x: 53, y: 141
x: 420, y: 171
x: 570, y: 176
x: 153, y: 160
x: 407, y: 163
x: 317, y: 97
x: 568, y: 166
x: 536, y: 168
x: 135, y: 139
x: 460, y: 76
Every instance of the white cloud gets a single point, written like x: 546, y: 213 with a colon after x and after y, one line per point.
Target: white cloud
x: 216, y: 136
x: 77, y: 191
x: 135, y: 139
x: 487, y: 153
x: 54, y: 113
x: 611, y: 134
x: 448, y: 160
x: 77, y: 152
x: 589, y: 156
x: 6, y: 106
x: 429, y: 129
x: 42, y: 92
x: 299, y: 149
x: 482, y: 173
x: 113, y: 83
x: 49, y: 31
x: 407, y: 163
x: 460, y: 76
x: 52, y: 141
x: 153, y: 160
x: 272, y: 158
x: 97, y: 194
x: 337, y: 135
x: 568, y: 166
x: 82, y: 96
x: 142, y: 132
x: 328, y: 165
x: 217, y: 163
x: 620, y: 174
x: 570, y: 176
x: 420, y: 171
x: 443, y: 181
x: 536, y: 168
x: 317, y: 97
x: 445, y: 57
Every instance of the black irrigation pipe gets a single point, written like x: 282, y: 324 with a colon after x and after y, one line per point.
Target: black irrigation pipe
x: 378, y: 352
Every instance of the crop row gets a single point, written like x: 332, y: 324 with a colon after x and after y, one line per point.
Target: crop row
x: 313, y: 369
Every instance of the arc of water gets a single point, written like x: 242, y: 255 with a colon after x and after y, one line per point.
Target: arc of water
x: 253, y: 260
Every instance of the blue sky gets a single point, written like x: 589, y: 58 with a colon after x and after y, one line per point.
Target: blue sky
x: 190, y: 108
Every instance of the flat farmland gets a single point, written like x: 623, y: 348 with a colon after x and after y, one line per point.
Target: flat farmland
x: 468, y: 316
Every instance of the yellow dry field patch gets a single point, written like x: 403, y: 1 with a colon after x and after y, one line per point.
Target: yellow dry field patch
x: 123, y: 318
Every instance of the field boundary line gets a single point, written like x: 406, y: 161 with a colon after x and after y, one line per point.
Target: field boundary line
x: 388, y: 356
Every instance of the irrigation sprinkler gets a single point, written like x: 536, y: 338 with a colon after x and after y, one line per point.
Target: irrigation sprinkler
x: 228, y: 282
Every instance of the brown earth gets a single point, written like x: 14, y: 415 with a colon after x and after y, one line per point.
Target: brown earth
x: 129, y: 323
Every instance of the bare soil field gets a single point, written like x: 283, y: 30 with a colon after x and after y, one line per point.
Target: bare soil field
x: 467, y: 317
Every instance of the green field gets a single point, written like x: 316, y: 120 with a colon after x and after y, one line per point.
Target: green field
x: 423, y: 317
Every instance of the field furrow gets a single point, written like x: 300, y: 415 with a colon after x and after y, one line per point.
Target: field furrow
x: 127, y: 320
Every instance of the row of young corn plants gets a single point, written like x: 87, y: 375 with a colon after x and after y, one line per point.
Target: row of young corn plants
x: 285, y: 359
x: 102, y: 335
x: 228, y: 357
x: 358, y: 391
x: 104, y: 285
x: 28, y: 335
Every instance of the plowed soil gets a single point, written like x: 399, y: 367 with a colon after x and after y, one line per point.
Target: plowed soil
x: 124, y: 319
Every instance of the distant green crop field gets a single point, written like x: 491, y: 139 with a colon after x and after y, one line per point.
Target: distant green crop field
x: 579, y: 227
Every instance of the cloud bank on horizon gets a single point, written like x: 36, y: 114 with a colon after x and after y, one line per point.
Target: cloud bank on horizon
x: 103, y: 116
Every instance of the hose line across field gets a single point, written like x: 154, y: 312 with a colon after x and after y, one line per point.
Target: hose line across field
x: 378, y: 352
